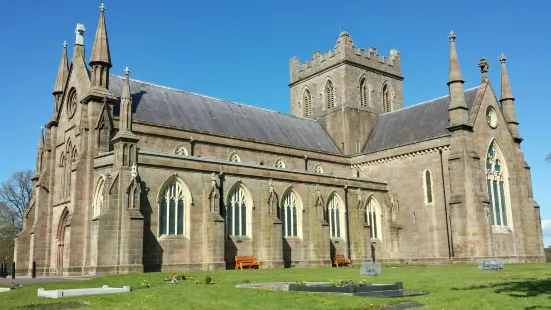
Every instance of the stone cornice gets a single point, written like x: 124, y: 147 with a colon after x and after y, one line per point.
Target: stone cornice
x: 153, y: 158
x: 401, y: 156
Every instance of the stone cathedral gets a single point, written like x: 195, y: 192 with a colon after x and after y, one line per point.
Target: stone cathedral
x: 137, y: 177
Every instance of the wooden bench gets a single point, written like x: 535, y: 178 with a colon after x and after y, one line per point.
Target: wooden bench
x: 246, y: 261
x: 340, y: 260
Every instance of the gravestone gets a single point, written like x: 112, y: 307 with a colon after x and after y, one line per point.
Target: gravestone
x: 491, y: 264
x: 370, y: 269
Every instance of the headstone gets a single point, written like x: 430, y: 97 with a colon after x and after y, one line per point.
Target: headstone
x: 370, y: 269
x: 491, y: 264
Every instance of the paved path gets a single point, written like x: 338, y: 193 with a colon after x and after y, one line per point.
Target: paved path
x: 30, y: 280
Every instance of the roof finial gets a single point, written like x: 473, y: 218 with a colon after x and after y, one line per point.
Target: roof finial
x: 102, y: 8
x: 65, y: 44
x: 452, y: 36
x: 41, y: 128
x: 502, y: 58
x: 484, y: 66
x: 126, y: 71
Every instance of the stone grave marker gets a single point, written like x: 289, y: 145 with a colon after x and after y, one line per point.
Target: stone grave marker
x: 370, y: 269
x: 491, y: 264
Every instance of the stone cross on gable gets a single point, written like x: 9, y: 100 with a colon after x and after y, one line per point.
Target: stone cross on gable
x: 102, y: 8
x: 126, y: 71
x: 79, y: 31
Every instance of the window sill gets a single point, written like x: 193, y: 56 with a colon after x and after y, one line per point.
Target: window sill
x: 173, y: 237
x: 239, y: 239
x: 293, y: 238
x: 338, y: 239
x: 376, y: 240
x: 499, y: 229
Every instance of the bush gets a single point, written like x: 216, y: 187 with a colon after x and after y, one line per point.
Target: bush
x: 208, y: 280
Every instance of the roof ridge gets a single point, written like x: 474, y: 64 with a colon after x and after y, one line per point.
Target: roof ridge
x: 214, y: 98
x: 428, y: 101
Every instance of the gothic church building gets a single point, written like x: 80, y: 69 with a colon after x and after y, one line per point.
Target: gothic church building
x: 132, y: 176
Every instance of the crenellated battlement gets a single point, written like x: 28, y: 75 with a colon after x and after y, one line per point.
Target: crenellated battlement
x: 345, y: 50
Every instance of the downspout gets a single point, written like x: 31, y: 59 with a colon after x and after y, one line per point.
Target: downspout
x: 450, y: 250
x: 347, y: 222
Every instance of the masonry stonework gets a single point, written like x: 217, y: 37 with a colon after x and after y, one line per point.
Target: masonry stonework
x: 122, y: 187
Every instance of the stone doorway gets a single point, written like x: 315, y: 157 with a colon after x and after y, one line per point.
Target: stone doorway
x: 63, y: 221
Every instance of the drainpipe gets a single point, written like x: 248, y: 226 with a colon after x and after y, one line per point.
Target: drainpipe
x: 450, y: 250
x: 347, y: 222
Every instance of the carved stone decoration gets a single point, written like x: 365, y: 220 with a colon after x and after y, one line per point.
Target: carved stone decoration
x: 273, y: 200
x: 214, y: 195
x: 320, y: 203
x: 134, y: 170
x: 394, y: 208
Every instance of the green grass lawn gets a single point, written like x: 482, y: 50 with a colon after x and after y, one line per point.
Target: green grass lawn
x: 450, y: 287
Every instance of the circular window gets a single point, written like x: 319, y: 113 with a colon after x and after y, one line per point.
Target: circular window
x: 72, y: 103
x: 491, y: 117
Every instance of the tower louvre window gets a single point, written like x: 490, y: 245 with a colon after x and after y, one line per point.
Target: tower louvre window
x: 329, y: 94
x: 363, y: 92
x: 386, y: 98
x: 307, y: 103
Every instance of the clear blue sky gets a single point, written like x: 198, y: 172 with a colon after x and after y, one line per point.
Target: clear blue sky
x: 240, y: 51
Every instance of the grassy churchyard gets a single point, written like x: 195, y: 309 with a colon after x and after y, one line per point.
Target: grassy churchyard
x: 522, y: 286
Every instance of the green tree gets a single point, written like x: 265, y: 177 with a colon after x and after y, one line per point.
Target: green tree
x: 15, y: 195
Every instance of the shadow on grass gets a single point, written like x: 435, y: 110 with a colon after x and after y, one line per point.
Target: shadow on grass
x: 526, y: 288
x: 62, y: 305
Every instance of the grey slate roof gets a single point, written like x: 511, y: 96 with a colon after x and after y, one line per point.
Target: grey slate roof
x: 167, y: 106
x: 415, y: 123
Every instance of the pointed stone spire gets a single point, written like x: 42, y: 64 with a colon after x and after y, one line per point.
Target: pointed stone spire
x: 126, y: 104
x: 506, y: 91
x: 458, y: 107
x: 100, y: 50
x: 508, y: 101
x: 100, y: 60
x: 62, y: 71
x: 61, y: 79
x: 41, y: 140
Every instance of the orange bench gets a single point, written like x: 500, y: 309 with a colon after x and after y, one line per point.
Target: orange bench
x: 340, y: 260
x: 246, y: 261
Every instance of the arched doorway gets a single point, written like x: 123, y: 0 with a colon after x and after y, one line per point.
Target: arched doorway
x: 61, y: 240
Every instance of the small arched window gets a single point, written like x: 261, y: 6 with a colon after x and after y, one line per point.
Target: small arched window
x: 329, y: 94
x: 318, y: 168
x: 307, y: 101
x: 234, y: 157
x: 180, y: 150
x: 174, y: 208
x: 427, y: 186
x: 334, y: 215
x: 279, y: 163
x: 364, y: 92
x: 373, y: 218
x: 387, y: 104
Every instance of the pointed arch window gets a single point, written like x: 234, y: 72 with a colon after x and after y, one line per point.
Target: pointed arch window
x: 318, y: 168
x: 364, y: 92
x: 279, y: 163
x: 234, y: 157
x: 497, y: 182
x: 373, y: 217
x: 427, y: 186
x: 329, y: 94
x: 68, y: 165
x: 334, y: 215
x: 180, y: 150
x: 238, y: 209
x: 62, y: 171
x: 387, y: 104
x: 174, y: 208
x: 291, y: 214
x: 98, y: 198
x: 307, y: 100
